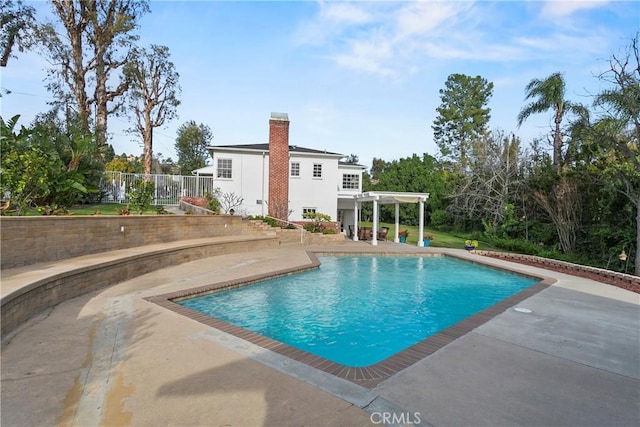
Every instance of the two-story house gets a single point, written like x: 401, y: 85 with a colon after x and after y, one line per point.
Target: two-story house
x: 286, y: 181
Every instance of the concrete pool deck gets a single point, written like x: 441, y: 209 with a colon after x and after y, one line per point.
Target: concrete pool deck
x: 114, y: 358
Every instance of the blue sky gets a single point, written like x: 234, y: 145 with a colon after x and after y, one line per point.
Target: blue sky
x: 355, y: 77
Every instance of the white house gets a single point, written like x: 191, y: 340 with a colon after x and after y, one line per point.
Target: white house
x: 286, y: 181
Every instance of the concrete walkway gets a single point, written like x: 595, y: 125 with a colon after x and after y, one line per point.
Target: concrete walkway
x: 113, y: 358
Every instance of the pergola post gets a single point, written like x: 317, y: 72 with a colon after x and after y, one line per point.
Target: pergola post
x: 388, y: 197
x: 396, y: 237
x: 374, y: 232
x: 421, y: 226
x: 355, y: 220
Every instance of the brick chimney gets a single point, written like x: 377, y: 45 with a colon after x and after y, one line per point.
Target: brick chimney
x: 279, y: 165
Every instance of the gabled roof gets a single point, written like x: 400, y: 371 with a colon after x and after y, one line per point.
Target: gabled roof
x: 265, y: 147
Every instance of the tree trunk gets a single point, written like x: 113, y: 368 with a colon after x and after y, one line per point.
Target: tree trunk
x: 75, y: 26
x: 561, y: 204
x: 148, y: 143
x: 637, y: 263
x: 557, y: 140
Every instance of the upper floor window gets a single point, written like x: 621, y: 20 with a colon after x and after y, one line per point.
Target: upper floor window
x: 295, y: 169
x: 317, y: 170
x: 224, y: 168
x: 350, y: 182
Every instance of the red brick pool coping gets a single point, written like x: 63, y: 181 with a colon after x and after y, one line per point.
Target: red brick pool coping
x: 368, y: 376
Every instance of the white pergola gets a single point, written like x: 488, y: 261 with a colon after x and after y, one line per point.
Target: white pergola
x: 386, y: 198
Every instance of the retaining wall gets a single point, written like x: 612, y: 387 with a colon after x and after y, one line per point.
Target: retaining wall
x: 31, y: 240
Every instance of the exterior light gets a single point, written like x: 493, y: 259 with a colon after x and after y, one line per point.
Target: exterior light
x: 623, y: 256
x: 231, y: 211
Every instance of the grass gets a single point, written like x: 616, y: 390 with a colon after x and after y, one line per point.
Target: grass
x: 99, y: 209
x: 440, y: 239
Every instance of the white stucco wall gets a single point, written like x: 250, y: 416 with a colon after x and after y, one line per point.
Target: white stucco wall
x: 309, y: 192
x: 249, y: 176
x: 250, y: 179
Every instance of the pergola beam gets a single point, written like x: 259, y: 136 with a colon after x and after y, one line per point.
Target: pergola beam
x: 389, y: 197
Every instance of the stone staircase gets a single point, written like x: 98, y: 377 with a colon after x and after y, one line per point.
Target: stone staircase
x: 288, y: 236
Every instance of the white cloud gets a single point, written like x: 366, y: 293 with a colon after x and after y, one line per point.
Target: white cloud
x: 423, y: 17
x: 559, y: 8
x: 344, y: 13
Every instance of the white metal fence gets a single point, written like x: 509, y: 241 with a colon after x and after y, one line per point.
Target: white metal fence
x: 168, y: 189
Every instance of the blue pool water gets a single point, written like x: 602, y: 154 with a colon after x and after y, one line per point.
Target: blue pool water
x: 359, y: 310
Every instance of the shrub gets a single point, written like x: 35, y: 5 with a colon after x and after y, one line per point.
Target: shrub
x: 214, y: 205
x: 317, y: 221
x: 141, y: 195
x: 519, y: 246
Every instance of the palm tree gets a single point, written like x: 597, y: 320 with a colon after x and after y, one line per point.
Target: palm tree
x: 548, y: 95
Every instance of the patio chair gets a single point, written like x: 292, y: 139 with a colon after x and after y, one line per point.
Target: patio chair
x: 382, y: 234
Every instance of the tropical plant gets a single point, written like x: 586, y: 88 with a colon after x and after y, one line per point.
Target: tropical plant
x: 549, y: 95
x: 42, y: 166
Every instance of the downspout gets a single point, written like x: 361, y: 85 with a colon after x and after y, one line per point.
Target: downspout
x: 264, y: 154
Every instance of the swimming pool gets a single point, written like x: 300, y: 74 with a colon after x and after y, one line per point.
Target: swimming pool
x: 359, y: 310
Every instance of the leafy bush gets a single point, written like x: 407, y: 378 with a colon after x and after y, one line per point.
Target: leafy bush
x: 270, y: 221
x: 328, y: 231
x: 440, y: 217
x: 214, y: 205
x: 317, y: 222
x: 518, y: 246
x: 141, y: 195
x: 54, y: 210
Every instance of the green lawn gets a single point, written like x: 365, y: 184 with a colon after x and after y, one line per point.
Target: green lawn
x: 440, y: 238
x: 99, y: 209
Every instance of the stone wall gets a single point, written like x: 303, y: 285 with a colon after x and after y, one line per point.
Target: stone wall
x: 621, y: 280
x: 30, y: 240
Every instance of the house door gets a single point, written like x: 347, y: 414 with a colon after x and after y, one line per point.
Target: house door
x: 341, y: 219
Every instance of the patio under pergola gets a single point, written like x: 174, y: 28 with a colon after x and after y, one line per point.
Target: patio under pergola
x: 386, y: 198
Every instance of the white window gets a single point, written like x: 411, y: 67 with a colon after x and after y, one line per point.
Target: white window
x: 350, y: 182
x: 224, y: 168
x: 306, y: 211
x: 295, y: 169
x: 317, y: 170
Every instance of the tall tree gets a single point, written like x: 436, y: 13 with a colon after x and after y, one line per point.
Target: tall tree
x: 549, y: 95
x: 89, y: 53
x: 153, y: 95
x: 377, y: 167
x: 17, y: 26
x: 493, y: 183
x: 463, y: 116
x: 69, y: 81
x: 112, y: 25
x: 620, y: 127
x: 191, y: 146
